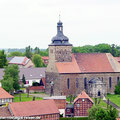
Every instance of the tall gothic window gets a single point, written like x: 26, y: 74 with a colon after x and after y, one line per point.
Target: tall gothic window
x: 68, y: 83
x: 77, y: 82
x: 110, y: 84
x: 85, y: 83
x: 118, y: 78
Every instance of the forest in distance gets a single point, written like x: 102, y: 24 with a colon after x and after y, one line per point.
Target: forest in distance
x: 99, y: 48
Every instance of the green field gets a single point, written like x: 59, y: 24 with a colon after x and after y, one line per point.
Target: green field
x: 102, y: 103
x: 25, y: 98
x: 114, y: 98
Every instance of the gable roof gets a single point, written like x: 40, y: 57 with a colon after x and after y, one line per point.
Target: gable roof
x: 4, y: 94
x: 29, y: 73
x: 82, y: 95
x: 19, y: 60
x: 32, y: 73
x: 33, y: 108
x: 89, y: 62
x: 93, y: 62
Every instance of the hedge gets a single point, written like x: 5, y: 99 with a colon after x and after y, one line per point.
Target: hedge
x: 78, y: 118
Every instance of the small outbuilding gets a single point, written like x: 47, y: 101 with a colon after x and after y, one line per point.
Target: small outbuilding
x: 5, y: 97
x: 80, y: 106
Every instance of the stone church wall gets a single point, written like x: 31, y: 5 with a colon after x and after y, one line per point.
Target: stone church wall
x: 61, y: 80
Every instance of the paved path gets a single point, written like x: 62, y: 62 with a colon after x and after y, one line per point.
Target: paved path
x: 114, y: 105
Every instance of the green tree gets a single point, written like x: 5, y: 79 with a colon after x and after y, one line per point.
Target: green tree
x: 37, y: 60
x: 101, y: 114
x: 16, y: 53
x: 23, y: 79
x: 28, y: 52
x: 11, y: 77
x: 98, y: 113
x: 117, y: 88
x: 7, y: 83
x: 36, y: 50
x: 112, y: 113
x: 3, y: 60
x: 92, y: 112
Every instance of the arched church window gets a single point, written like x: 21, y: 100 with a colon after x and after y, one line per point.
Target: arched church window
x: 68, y: 83
x: 118, y: 78
x: 85, y: 83
x: 110, y: 79
x: 77, y: 82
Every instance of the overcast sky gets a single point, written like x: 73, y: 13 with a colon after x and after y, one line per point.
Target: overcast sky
x: 33, y: 22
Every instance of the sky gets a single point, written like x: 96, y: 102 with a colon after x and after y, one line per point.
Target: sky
x: 34, y: 22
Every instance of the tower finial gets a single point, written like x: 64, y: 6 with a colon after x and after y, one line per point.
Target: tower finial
x: 59, y: 16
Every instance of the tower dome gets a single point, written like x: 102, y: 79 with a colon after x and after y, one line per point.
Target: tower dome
x: 60, y: 38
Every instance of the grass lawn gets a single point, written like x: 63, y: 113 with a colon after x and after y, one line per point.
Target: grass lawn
x: 25, y: 98
x: 114, y: 98
x: 102, y: 103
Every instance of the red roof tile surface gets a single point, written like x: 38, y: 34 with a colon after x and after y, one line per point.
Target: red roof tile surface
x: 33, y: 108
x: 68, y: 67
x: 93, y: 62
x: 82, y: 95
x: 4, y: 112
x: 37, y: 88
x: 45, y: 57
x: 4, y: 94
x: 117, y: 58
x: 88, y: 62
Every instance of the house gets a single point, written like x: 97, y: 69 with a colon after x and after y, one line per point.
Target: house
x: 45, y: 60
x: 60, y: 103
x: 31, y: 75
x: 45, y: 109
x: 80, y: 106
x: 71, y: 72
x: 5, y: 97
x: 22, y: 62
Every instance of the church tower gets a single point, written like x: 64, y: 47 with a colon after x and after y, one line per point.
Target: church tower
x: 60, y: 50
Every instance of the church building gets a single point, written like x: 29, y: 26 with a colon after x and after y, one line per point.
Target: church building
x: 70, y: 73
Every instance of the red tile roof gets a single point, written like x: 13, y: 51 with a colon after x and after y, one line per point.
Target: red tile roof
x: 93, y: 62
x: 4, y: 94
x: 68, y: 67
x: 33, y: 108
x: 82, y: 95
x: 117, y: 58
x: 4, y: 112
x: 37, y: 88
x: 45, y: 57
x: 89, y: 62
